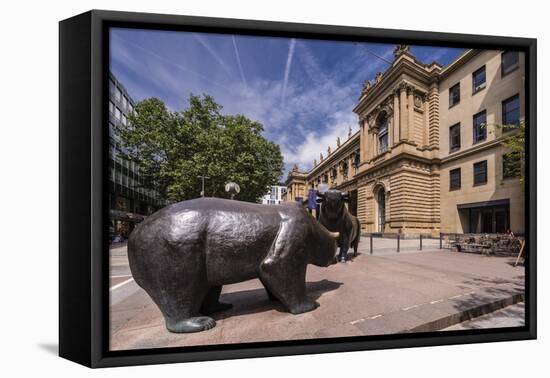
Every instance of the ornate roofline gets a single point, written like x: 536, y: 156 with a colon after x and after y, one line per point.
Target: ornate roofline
x: 405, y: 65
x: 347, y: 146
x: 462, y: 59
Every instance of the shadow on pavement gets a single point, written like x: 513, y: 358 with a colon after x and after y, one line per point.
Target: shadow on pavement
x: 50, y: 348
x: 256, y: 300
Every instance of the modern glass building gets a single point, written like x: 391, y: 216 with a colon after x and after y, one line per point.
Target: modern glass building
x: 129, y: 201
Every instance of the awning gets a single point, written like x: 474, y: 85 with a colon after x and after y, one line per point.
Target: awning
x: 472, y: 205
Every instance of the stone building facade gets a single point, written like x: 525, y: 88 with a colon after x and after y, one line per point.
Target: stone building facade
x: 396, y: 167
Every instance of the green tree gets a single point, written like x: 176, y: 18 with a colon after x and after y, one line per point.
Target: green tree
x: 515, y: 143
x: 172, y: 148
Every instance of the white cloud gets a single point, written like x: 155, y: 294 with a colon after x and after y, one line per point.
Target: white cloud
x: 304, y: 152
x: 304, y: 116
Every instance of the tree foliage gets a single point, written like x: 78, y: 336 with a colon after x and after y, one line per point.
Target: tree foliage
x: 173, y: 148
x: 515, y: 143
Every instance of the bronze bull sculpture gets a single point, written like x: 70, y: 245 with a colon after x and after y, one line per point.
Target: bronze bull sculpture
x: 335, y: 217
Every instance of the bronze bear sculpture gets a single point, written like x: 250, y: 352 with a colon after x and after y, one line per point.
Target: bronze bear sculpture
x: 335, y: 217
x: 183, y: 254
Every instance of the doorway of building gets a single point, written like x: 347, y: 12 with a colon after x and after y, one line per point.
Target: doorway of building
x: 381, y: 200
x: 490, y: 217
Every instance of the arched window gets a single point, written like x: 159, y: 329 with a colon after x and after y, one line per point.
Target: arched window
x: 382, y: 133
x: 356, y: 159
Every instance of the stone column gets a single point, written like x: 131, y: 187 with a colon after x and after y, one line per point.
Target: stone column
x: 390, y: 133
x: 410, y: 92
x: 363, y: 141
x: 374, y: 147
x: 395, y: 117
x: 403, y: 119
x: 426, y: 128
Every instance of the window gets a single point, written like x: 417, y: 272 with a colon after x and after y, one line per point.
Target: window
x: 510, y: 112
x: 111, y: 86
x: 509, y: 62
x: 356, y: 160
x: 454, y: 179
x: 383, y: 135
x: 118, y: 94
x: 480, y: 126
x: 511, y: 165
x: 118, y: 113
x: 454, y: 95
x: 454, y: 137
x: 478, y: 80
x: 480, y: 173
x: 125, y: 102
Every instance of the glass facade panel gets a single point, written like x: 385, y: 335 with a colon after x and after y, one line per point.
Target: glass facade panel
x: 383, y: 135
x: 511, y: 111
x: 510, y: 61
x: 454, y: 137
x: 454, y: 179
x: 480, y: 173
x: 478, y: 80
x: 454, y: 95
x: 480, y: 126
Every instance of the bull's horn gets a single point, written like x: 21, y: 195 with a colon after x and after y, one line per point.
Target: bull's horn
x: 335, y: 235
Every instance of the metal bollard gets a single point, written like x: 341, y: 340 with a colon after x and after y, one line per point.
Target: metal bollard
x: 398, y: 241
x: 371, y: 244
x: 421, y: 242
x: 440, y: 240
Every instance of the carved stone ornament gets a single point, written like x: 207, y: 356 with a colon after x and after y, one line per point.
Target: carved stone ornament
x: 400, y: 50
x: 379, y: 77
x: 321, y: 156
x: 366, y: 85
x: 337, y: 141
x: 371, y: 120
x: 328, y: 150
x: 349, y: 132
x: 417, y: 101
x: 386, y: 106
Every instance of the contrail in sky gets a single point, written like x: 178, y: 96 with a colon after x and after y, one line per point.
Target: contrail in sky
x: 214, y: 54
x: 173, y: 63
x: 287, y: 67
x: 239, y: 61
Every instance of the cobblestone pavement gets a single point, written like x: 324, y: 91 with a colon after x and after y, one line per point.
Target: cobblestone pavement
x: 511, y: 316
x: 383, y: 293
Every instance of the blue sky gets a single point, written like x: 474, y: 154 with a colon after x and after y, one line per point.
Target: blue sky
x: 302, y: 91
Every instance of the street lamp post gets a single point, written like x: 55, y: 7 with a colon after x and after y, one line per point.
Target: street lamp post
x: 203, y: 177
x: 232, y: 188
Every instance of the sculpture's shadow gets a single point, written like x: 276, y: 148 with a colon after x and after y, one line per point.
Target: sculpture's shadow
x: 256, y: 300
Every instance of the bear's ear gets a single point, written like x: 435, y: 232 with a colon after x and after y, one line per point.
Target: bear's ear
x: 345, y: 196
x: 319, y: 194
x: 320, y: 199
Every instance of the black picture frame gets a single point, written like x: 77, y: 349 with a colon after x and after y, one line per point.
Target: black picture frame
x: 83, y: 263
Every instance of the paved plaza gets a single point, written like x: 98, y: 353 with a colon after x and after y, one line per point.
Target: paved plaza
x: 383, y: 293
